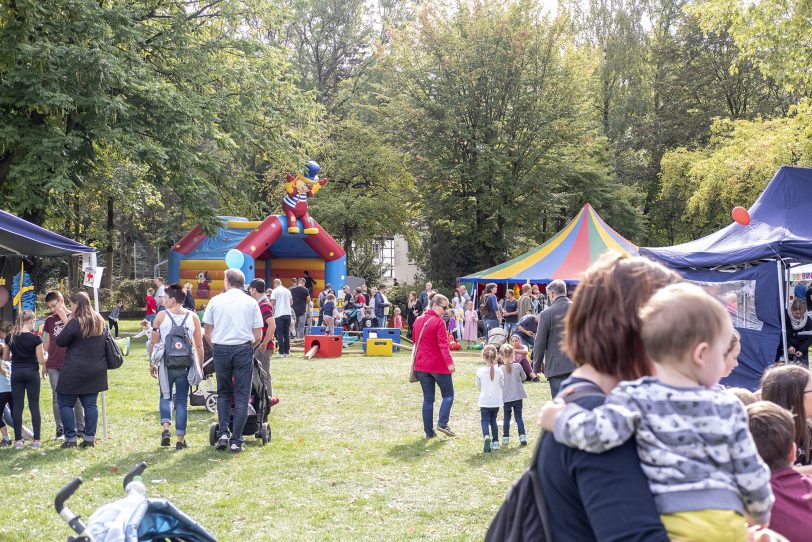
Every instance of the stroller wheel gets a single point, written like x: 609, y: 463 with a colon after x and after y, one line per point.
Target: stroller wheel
x: 213, y: 433
x: 211, y: 403
x: 265, y: 433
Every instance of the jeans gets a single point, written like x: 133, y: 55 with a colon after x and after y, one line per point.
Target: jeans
x: 516, y: 407
x: 66, y: 404
x: 489, y: 325
x: 53, y: 379
x: 301, y: 320
x: 555, y: 383
x: 510, y: 327
x: 5, y: 400
x: 233, y: 362
x: 283, y: 334
x: 25, y: 382
x: 381, y: 321
x: 113, y: 324
x: 179, y: 378
x: 487, y: 417
x: 427, y: 381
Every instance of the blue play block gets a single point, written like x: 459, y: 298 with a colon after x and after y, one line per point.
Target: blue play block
x: 321, y: 330
x: 382, y: 333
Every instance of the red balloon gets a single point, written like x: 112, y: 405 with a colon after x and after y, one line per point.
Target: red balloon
x: 740, y: 216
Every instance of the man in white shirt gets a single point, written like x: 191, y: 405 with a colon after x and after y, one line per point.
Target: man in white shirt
x: 233, y: 323
x: 160, y: 293
x: 281, y: 301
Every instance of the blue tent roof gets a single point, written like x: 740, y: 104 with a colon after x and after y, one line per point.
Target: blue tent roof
x: 19, y: 237
x: 780, y: 225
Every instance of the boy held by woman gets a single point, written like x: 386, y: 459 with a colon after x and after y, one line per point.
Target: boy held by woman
x: 693, y: 441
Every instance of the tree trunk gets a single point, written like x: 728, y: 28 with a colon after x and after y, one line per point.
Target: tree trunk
x: 108, y: 276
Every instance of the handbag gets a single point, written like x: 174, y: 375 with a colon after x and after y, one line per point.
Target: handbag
x: 112, y: 352
x: 412, y: 376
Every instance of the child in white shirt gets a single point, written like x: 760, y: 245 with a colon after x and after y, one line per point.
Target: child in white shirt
x: 489, y: 380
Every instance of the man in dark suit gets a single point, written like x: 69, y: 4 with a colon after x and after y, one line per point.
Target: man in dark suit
x: 557, y: 366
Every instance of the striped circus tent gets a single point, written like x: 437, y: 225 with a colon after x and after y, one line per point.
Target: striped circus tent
x: 564, y: 256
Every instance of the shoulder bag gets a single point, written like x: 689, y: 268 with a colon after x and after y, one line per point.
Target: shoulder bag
x: 412, y: 375
x: 112, y: 352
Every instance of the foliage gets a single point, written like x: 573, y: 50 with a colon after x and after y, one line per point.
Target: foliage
x: 362, y: 261
x: 133, y: 292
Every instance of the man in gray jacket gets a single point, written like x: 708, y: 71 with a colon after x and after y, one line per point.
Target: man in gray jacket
x: 547, y: 348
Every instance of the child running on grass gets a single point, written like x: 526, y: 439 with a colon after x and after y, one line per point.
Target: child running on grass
x: 512, y: 394
x: 489, y: 380
x: 24, y: 348
x: 693, y: 442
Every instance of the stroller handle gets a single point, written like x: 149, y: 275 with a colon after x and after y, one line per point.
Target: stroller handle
x: 66, y: 493
x: 137, y: 470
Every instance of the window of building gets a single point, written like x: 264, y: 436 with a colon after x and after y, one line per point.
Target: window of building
x: 385, y: 254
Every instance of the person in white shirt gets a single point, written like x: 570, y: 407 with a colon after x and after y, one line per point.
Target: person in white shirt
x: 160, y: 293
x: 233, y: 323
x: 489, y: 380
x: 281, y: 301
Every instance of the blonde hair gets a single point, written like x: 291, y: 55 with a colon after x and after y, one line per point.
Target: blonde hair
x: 686, y: 307
x: 25, y: 317
x: 734, y: 340
x: 489, y: 354
x: 506, y: 351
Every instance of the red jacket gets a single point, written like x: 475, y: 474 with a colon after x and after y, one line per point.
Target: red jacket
x: 433, y: 354
x: 152, y: 307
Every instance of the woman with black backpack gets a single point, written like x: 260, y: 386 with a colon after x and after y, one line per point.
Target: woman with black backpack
x: 177, y: 343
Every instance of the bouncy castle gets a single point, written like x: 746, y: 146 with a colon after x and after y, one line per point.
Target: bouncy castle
x: 268, y: 249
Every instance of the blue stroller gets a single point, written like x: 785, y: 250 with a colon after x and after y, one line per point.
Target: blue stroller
x: 134, y: 518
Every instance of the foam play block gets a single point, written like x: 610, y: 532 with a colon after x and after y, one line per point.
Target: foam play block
x: 322, y: 330
x: 329, y: 345
x: 381, y: 333
x: 379, y: 347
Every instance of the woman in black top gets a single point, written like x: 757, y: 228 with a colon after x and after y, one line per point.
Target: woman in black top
x: 189, y: 300
x: 27, y: 357
x: 413, y: 310
x: 84, y: 374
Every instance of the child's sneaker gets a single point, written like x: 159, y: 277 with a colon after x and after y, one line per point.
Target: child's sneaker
x: 487, y: 445
x: 523, y: 440
x: 19, y: 444
x: 35, y: 445
x: 495, y: 445
x: 505, y: 441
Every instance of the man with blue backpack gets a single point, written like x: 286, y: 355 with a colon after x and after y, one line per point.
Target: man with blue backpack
x: 177, y: 344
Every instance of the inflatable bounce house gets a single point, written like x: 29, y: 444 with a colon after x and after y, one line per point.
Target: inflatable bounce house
x: 281, y: 246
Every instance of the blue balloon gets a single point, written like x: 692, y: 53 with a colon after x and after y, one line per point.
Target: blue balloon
x: 234, y: 259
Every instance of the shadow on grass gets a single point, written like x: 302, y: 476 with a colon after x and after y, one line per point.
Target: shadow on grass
x: 481, y: 458
x: 413, y: 450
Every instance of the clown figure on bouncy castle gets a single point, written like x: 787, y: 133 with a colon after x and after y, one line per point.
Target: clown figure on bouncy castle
x: 298, y: 188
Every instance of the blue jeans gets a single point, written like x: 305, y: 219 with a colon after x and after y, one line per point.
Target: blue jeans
x: 487, y: 416
x: 489, y: 325
x: 510, y: 327
x: 179, y: 378
x: 66, y: 404
x: 516, y: 407
x: 233, y: 362
x: 427, y: 381
x: 381, y: 321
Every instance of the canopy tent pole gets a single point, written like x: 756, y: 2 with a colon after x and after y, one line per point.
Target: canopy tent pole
x: 779, y: 266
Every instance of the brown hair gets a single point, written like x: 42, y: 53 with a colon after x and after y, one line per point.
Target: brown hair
x: 90, y: 321
x: 798, y: 305
x: 25, y: 317
x: 746, y: 397
x: 489, y: 353
x: 507, y: 350
x: 734, y: 340
x: 773, y: 430
x: 602, y: 328
x: 784, y: 385
x: 699, y: 317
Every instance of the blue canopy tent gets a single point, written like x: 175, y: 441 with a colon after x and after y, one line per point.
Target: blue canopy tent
x: 747, y: 267
x: 19, y: 237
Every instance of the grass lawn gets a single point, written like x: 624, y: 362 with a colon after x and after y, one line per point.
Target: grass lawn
x: 347, y: 460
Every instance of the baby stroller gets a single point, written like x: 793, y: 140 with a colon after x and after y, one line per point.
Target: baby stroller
x: 131, y: 519
x: 259, y: 407
x: 497, y: 336
x: 205, y: 393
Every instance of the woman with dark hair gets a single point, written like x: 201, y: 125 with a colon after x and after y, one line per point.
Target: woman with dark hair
x: 789, y: 386
x: 603, y: 496
x: 489, y: 309
x: 171, y: 365
x: 799, y: 332
x: 413, y: 310
x: 84, y: 374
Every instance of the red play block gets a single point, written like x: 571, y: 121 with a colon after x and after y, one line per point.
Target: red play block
x: 329, y: 345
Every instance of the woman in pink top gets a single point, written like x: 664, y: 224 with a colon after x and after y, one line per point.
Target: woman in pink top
x: 433, y: 365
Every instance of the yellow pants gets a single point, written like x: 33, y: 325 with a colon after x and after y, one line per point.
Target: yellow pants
x: 705, y: 526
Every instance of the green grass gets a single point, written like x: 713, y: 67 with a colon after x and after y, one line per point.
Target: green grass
x: 347, y: 459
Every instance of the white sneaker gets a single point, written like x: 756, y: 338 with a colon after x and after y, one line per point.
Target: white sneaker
x: 495, y: 445
x: 505, y: 441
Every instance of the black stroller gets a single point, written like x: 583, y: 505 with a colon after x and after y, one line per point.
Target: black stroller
x: 259, y: 407
x: 134, y: 518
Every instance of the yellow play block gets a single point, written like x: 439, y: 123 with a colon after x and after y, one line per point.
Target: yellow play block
x: 379, y: 347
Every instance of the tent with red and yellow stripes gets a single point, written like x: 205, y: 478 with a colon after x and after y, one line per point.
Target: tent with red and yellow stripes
x: 564, y: 256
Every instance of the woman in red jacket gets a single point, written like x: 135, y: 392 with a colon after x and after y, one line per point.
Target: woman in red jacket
x: 433, y: 365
